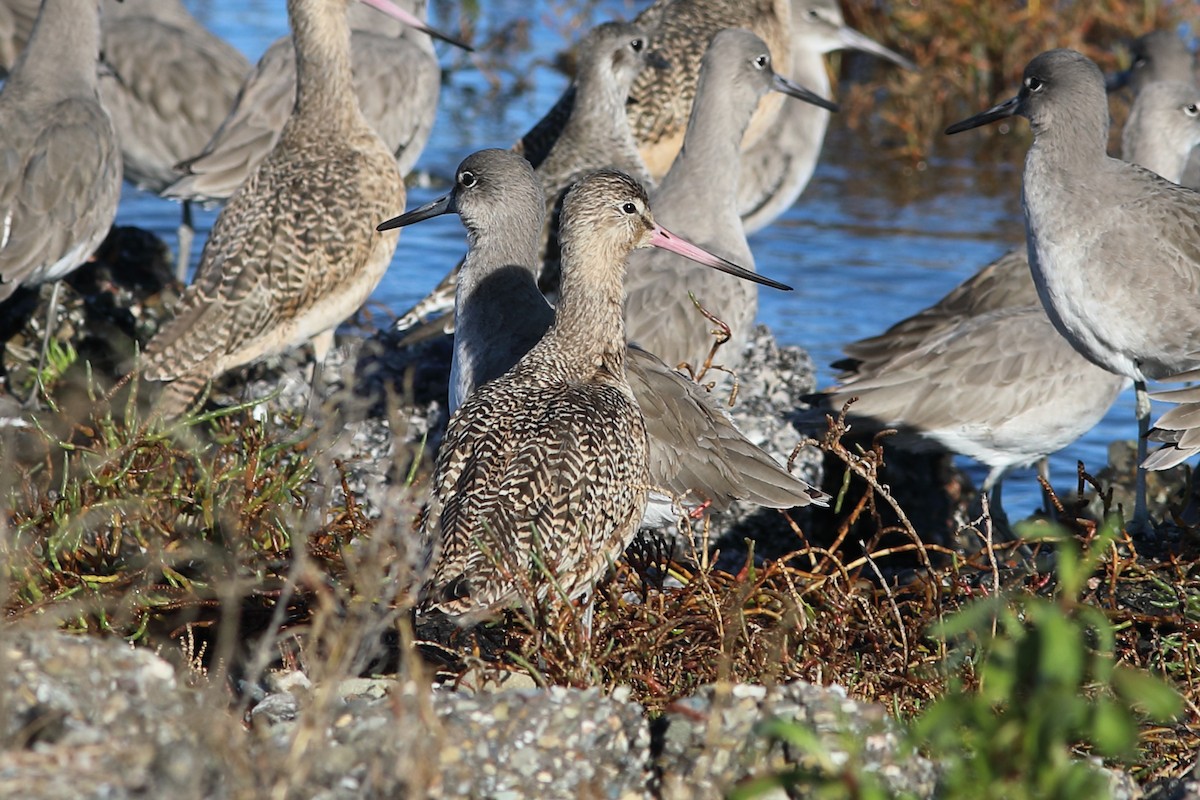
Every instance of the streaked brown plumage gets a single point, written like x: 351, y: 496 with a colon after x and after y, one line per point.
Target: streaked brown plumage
x: 697, y: 455
x: 546, y: 466
x: 293, y: 253
x: 548, y: 462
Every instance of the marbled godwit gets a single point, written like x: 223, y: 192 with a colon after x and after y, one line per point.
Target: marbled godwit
x: 1114, y: 248
x: 290, y: 256
x: 695, y: 451
x: 396, y: 79
x: 171, y: 84
x: 62, y: 180
x: 547, y: 464
x: 777, y: 167
x: 699, y: 197
x: 586, y: 130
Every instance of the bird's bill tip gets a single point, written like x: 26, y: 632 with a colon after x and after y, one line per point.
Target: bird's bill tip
x: 793, y: 89
x: 412, y: 21
x: 1005, y: 109
x: 666, y: 240
x: 865, y: 44
x: 443, y: 205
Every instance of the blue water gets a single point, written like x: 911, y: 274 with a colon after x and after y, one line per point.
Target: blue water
x: 872, y: 240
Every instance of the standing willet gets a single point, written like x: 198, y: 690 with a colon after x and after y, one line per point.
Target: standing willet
x: 585, y: 130
x: 982, y: 371
x: 1114, y: 248
x: 660, y: 101
x: 289, y: 257
x: 543, y: 476
x: 696, y: 453
x: 396, y: 80
x: 171, y: 84
x: 699, y: 197
x: 777, y: 167
x: 62, y: 177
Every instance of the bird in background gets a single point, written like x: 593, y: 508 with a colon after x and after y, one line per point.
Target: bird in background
x: 293, y: 253
x: 168, y: 85
x: 1114, y: 249
x: 698, y: 197
x: 62, y: 182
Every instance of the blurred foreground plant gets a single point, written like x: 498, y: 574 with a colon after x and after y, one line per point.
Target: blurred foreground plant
x: 1033, y: 680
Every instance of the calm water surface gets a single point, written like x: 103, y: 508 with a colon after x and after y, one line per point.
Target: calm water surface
x: 871, y: 241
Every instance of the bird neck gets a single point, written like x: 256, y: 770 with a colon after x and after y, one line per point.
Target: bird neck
x: 1073, y: 139
x: 706, y: 171
x: 590, y: 312
x: 63, y: 49
x: 324, y: 81
x: 598, y: 123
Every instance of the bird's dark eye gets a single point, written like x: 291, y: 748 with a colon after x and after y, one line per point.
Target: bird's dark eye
x: 629, y: 208
x: 762, y: 61
x: 1191, y: 110
x: 466, y: 179
x: 637, y: 44
x: 812, y: 14
x: 1034, y: 84
x: 1139, y: 62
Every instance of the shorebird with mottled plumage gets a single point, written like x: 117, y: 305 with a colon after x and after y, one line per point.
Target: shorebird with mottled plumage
x: 777, y: 167
x: 292, y: 253
x: 699, y: 197
x: 396, y: 81
x: 1114, y: 248
x: 696, y: 454
x: 585, y: 130
x: 546, y: 467
x: 62, y: 177
x: 169, y: 86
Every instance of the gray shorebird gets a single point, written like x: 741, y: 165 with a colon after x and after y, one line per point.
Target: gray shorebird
x: 699, y: 198
x: 1157, y: 57
x: 546, y: 467
x: 396, y: 80
x: 1114, y: 249
x: 660, y: 101
x: 171, y: 83
x: 62, y: 177
x: 290, y: 255
x: 982, y: 372
x: 778, y: 165
x: 585, y: 130
x: 696, y: 453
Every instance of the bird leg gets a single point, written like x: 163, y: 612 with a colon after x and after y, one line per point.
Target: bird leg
x: 1141, y: 517
x: 51, y: 313
x: 186, y: 233
x: 322, y: 343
